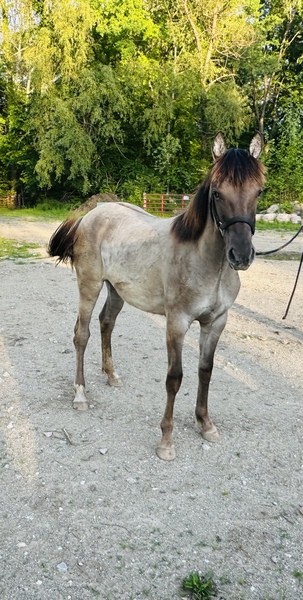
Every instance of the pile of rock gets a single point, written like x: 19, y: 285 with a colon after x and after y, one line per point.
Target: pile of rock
x: 272, y: 214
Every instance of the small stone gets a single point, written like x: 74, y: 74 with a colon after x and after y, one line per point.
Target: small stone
x: 103, y: 451
x: 47, y: 433
x: 10, y: 425
x: 62, y: 567
x: 274, y: 559
x: 131, y: 480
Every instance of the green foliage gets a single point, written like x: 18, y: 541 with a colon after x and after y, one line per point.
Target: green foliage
x: 48, y: 205
x: 201, y: 587
x: 227, y: 111
x: 298, y: 574
x: 284, y: 162
x: 125, y: 96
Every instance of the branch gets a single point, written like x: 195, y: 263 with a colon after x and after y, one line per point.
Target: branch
x: 193, y: 25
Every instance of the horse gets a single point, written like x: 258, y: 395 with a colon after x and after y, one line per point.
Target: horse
x: 184, y: 267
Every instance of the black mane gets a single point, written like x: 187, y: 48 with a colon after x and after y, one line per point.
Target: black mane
x: 235, y: 166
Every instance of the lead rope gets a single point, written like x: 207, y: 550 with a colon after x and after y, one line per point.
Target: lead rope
x: 299, y: 268
x: 294, y: 288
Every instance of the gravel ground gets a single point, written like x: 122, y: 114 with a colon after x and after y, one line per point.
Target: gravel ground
x: 87, y: 509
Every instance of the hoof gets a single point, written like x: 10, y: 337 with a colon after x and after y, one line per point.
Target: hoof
x: 80, y: 401
x: 211, y: 435
x: 115, y: 381
x: 81, y: 405
x: 166, y: 453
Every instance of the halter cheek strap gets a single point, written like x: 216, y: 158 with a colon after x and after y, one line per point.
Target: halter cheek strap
x: 223, y: 226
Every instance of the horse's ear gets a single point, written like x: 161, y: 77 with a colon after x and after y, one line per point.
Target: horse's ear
x: 219, y: 146
x: 256, y: 145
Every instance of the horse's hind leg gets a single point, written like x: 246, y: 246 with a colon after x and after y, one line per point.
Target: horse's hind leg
x: 107, y: 319
x: 89, y: 290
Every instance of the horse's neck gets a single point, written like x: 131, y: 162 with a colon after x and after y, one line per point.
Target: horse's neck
x: 211, y: 245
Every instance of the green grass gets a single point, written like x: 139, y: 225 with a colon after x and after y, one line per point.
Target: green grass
x: 12, y: 249
x: 276, y: 226
x: 200, y: 587
x: 283, y: 256
x: 36, y: 213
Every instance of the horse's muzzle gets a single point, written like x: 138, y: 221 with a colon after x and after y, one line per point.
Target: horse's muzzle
x: 239, y: 260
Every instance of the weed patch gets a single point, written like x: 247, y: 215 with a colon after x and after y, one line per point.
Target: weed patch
x: 200, y: 587
x: 11, y: 249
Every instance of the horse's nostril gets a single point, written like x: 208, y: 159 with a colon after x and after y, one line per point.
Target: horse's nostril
x: 240, y: 260
x: 232, y: 256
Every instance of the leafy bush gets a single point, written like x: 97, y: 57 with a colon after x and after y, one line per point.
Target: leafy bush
x: 48, y: 204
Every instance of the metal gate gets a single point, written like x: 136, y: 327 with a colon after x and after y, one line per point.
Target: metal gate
x: 165, y: 204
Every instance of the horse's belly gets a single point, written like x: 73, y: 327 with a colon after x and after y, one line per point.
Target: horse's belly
x: 144, y: 297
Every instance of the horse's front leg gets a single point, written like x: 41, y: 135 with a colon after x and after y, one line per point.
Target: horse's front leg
x: 175, y: 332
x: 209, y: 337
x: 89, y: 293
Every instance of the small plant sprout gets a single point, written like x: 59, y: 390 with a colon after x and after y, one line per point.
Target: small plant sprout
x: 201, y: 587
x: 298, y: 574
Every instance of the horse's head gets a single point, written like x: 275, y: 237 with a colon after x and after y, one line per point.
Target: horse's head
x: 236, y: 181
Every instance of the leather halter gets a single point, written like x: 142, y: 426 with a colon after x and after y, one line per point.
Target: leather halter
x: 223, y: 226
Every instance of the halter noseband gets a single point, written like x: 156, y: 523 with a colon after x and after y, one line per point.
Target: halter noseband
x: 223, y: 226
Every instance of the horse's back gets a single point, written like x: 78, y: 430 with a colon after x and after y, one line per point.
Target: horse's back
x: 124, y: 228
x: 128, y: 213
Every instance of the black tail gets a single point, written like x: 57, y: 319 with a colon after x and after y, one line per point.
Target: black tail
x: 63, y: 239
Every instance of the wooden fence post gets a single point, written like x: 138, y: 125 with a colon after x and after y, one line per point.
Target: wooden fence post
x: 162, y: 203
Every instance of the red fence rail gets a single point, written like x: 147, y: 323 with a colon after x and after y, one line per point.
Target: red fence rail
x: 165, y: 204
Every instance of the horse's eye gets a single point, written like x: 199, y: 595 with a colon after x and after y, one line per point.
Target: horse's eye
x: 260, y: 192
x: 217, y: 196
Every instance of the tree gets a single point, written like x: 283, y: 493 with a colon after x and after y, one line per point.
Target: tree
x: 125, y: 96
x: 207, y: 34
x: 267, y: 66
x: 284, y: 161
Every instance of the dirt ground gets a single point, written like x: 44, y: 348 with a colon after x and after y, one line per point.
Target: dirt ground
x: 87, y: 509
